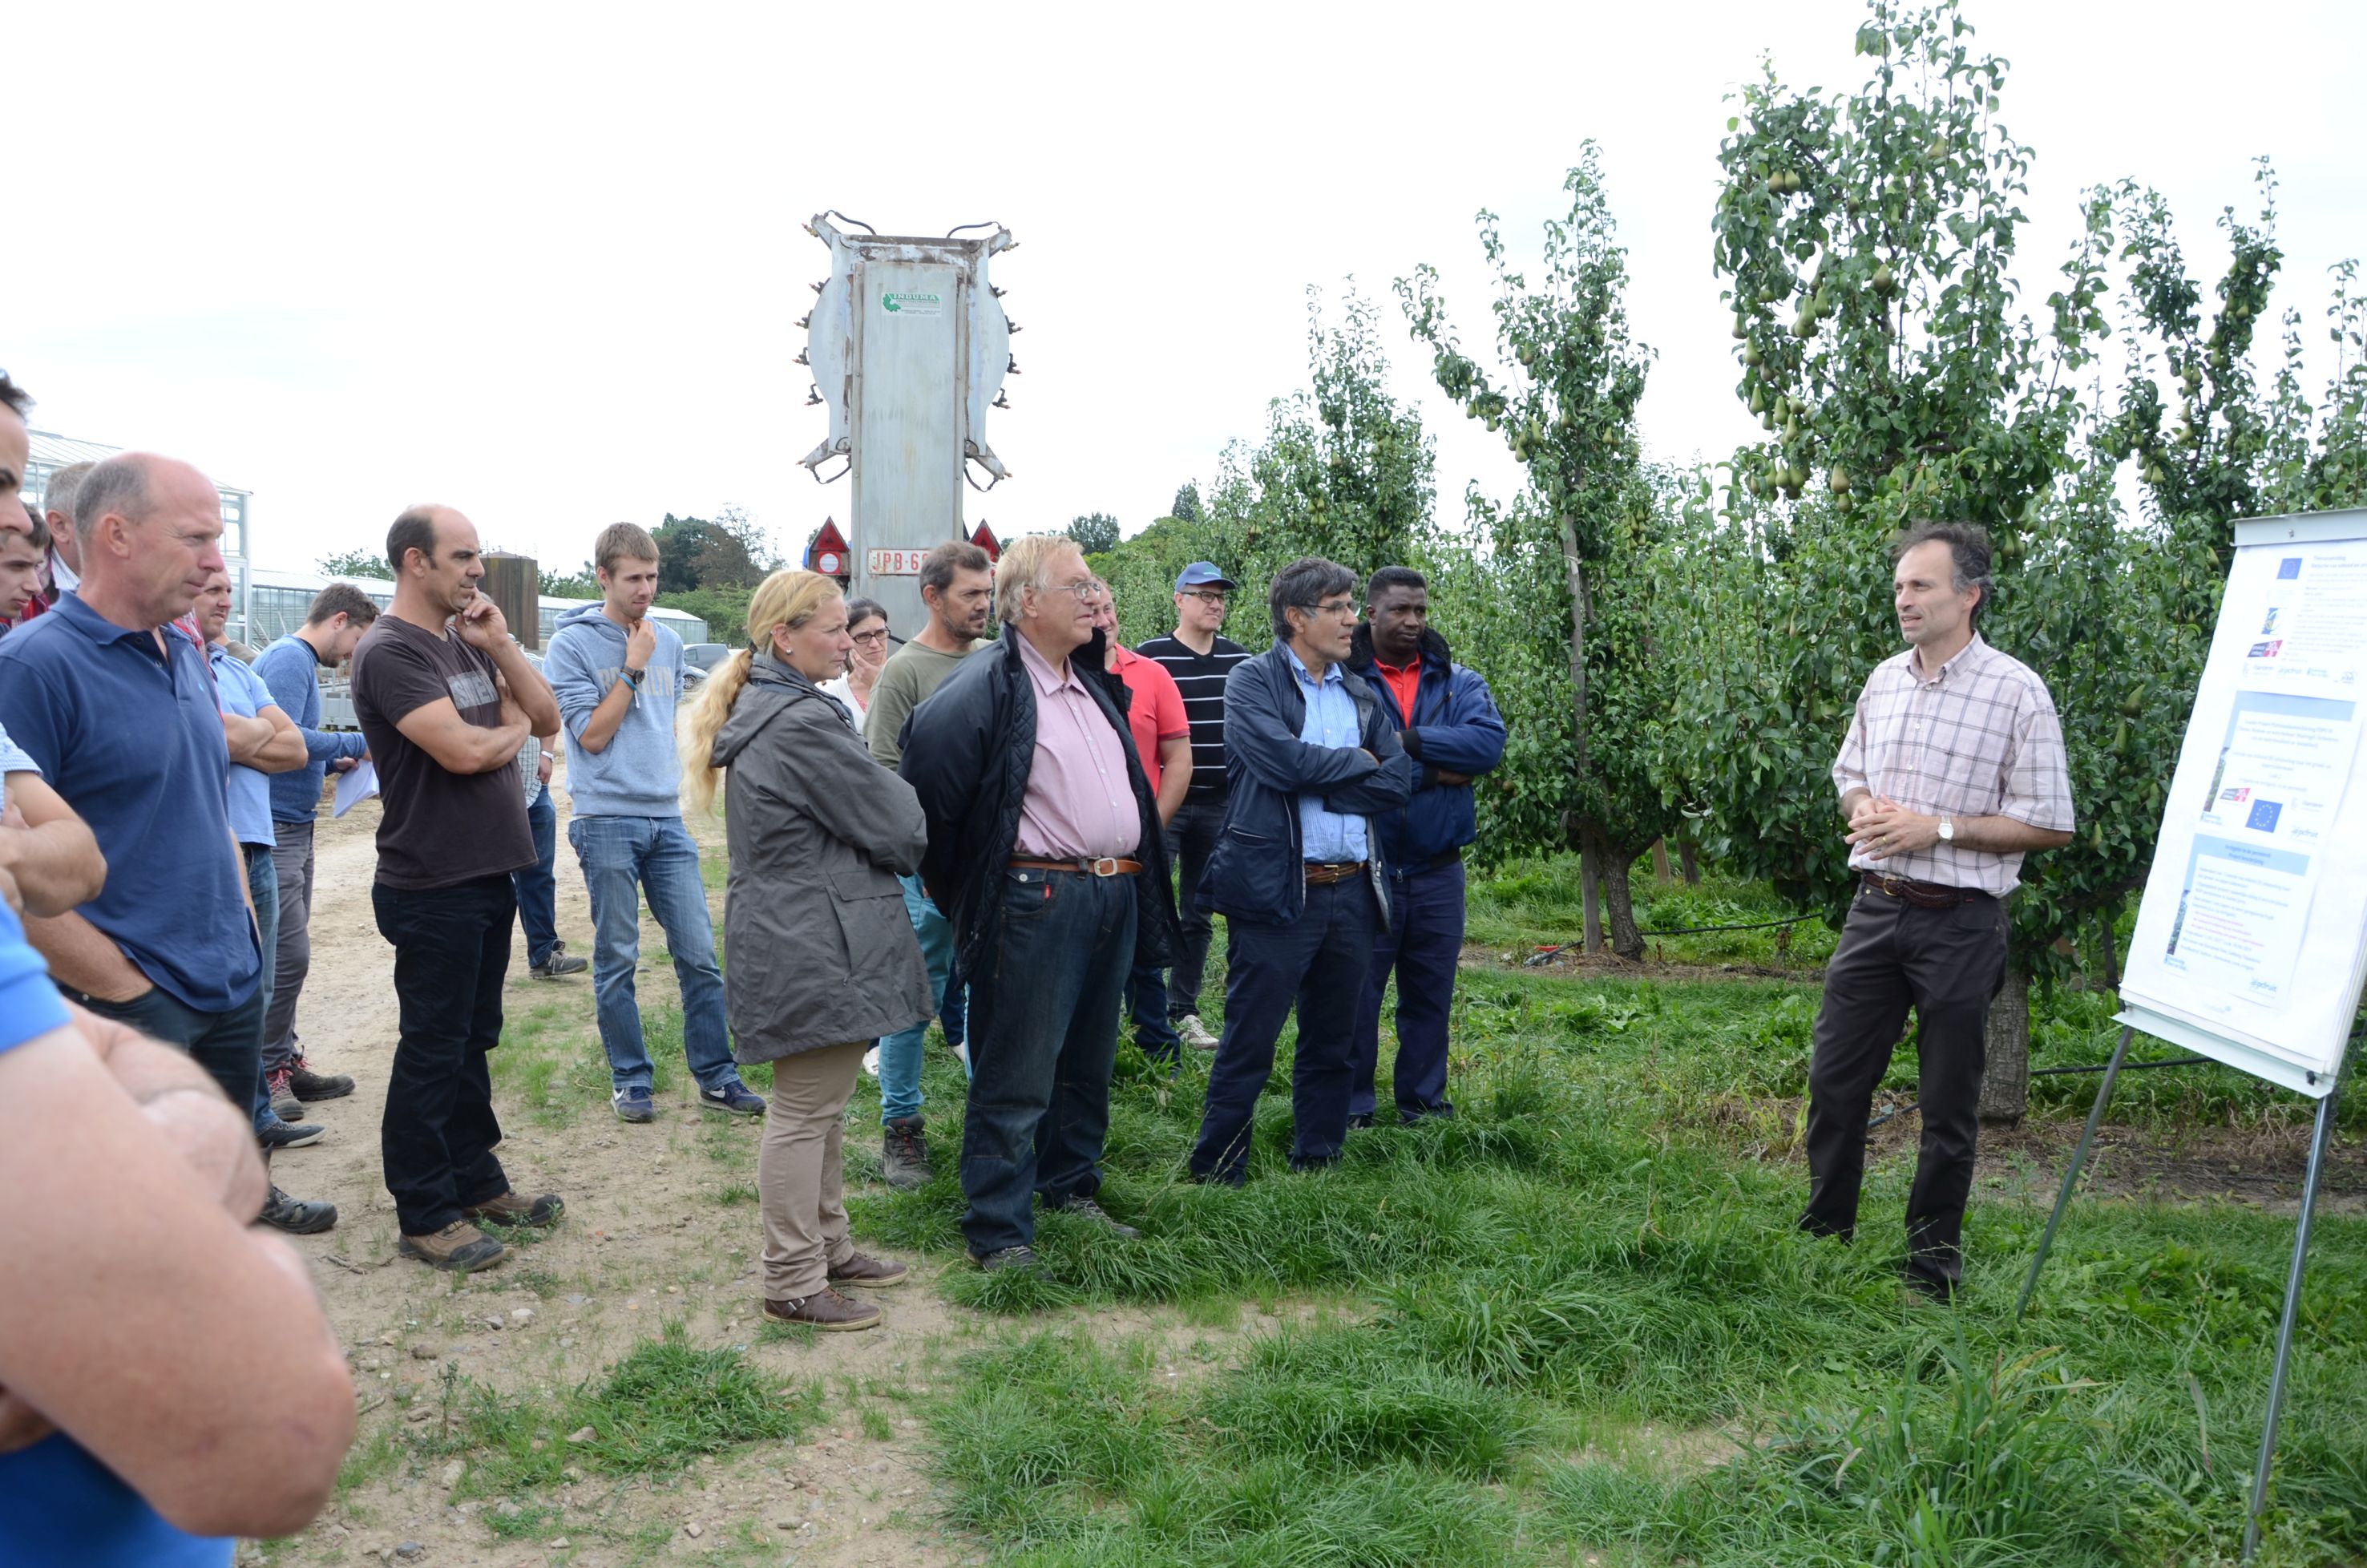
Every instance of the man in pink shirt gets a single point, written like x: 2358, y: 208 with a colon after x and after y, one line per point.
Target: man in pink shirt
x: 1163, y: 741
x: 1045, y: 852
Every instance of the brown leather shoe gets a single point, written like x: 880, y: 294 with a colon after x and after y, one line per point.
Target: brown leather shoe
x: 514, y: 1209
x: 825, y: 1309
x: 871, y: 1273
x: 459, y: 1246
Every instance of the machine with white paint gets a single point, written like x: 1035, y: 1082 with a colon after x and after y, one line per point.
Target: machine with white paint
x: 908, y: 346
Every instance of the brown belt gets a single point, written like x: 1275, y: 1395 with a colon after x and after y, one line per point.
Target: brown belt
x: 1324, y: 873
x: 1923, y: 895
x: 1106, y: 866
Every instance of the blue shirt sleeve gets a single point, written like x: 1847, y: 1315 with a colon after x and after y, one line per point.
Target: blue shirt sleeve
x: 14, y: 758
x: 29, y: 1008
x: 280, y: 675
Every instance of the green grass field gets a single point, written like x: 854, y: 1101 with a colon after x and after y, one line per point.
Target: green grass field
x: 1574, y: 1326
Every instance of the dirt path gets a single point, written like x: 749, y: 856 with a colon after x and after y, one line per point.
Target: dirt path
x: 656, y: 1231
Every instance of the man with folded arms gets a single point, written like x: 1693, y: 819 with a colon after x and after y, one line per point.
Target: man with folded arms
x: 1953, y: 769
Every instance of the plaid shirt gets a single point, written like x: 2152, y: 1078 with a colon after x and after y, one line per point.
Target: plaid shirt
x: 1980, y: 739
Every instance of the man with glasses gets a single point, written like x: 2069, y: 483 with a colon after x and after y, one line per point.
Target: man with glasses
x: 1199, y: 661
x: 1044, y: 849
x: 958, y: 587
x: 1298, y: 870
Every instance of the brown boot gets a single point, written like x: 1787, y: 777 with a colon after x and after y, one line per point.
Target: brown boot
x: 871, y: 1273
x: 459, y: 1246
x: 904, y: 1154
x: 825, y: 1309
x: 511, y: 1209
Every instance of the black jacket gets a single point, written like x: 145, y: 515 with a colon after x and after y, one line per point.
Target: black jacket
x: 968, y: 749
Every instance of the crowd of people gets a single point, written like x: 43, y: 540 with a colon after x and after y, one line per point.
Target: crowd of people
x: 1024, y: 836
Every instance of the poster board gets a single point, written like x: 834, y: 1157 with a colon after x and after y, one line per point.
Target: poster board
x: 2251, y: 940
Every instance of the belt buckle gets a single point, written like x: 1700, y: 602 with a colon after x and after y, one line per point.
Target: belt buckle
x: 1105, y: 866
x: 1894, y: 887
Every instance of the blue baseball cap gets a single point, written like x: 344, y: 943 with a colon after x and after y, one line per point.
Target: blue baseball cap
x: 1203, y: 574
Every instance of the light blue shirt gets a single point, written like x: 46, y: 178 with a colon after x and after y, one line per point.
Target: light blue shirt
x: 1324, y: 834
x: 14, y: 758
x: 241, y: 692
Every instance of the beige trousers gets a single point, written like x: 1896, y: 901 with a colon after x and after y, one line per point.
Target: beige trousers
x: 798, y: 1182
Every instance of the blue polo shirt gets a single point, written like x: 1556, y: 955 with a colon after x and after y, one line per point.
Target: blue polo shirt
x: 241, y: 692
x: 127, y: 734
x: 292, y: 672
x: 1324, y: 834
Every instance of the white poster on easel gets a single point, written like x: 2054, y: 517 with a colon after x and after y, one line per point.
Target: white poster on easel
x: 2251, y: 942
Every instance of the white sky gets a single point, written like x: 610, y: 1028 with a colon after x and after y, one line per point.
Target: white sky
x: 542, y: 263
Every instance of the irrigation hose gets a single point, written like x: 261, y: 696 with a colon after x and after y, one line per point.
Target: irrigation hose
x: 2049, y: 1073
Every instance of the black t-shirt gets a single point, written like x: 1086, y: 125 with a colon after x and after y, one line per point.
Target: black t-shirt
x: 1201, y: 678
x: 436, y: 828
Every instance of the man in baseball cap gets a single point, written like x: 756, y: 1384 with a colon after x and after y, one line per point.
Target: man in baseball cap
x: 1199, y: 660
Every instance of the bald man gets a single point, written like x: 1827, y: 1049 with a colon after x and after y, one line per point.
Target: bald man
x: 121, y: 713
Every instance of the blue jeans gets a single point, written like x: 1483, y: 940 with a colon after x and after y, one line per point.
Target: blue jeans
x: 1316, y: 962
x: 228, y: 1045
x: 263, y: 886
x: 538, y: 886
x: 1422, y: 945
x: 1147, y: 1003
x: 1043, y: 1036
x: 436, y: 1136
x: 623, y: 857
x: 899, y: 1054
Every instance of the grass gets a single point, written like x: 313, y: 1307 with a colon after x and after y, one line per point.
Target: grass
x: 1577, y: 1318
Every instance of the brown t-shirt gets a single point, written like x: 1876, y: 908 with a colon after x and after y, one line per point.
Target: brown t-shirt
x: 435, y: 828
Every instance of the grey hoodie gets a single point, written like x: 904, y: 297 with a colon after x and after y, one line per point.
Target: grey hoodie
x: 637, y: 774
x: 820, y: 949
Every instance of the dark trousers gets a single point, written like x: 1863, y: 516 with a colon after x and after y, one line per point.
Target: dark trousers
x: 291, y: 957
x: 1191, y: 839
x: 1043, y: 1034
x: 437, y: 1139
x: 1317, y: 963
x: 1947, y: 964
x: 537, y: 887
x: 1422, y: 945
x: 1154, y: 1031
x: 228, y: 1045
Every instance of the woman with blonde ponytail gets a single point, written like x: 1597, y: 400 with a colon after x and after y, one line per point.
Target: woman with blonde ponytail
x: 822, y: 960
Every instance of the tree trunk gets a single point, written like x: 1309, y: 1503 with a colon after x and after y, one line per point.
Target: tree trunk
x: 1590, y: 876
x: 1685, y: 857
x: 2004, y: 1082
x: 1661, y: 873
x: 2112, y: 952
x: 1611, y: 864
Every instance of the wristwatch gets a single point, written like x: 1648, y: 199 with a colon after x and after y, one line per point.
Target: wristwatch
x: 1947, y: 830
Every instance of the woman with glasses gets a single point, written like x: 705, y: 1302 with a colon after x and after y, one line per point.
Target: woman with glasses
x: 866, y: 622
x: 822, y: 960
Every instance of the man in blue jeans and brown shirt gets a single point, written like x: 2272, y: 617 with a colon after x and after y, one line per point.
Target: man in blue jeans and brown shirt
x: 1447, y: 724
x: 618, y: 673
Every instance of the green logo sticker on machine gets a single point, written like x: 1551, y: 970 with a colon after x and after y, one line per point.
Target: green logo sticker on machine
x: 912, y: 304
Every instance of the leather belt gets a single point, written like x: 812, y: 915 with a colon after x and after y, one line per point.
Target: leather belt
x: 1923, y: 895
x: 1105, y: 866
x: 1324, y: 873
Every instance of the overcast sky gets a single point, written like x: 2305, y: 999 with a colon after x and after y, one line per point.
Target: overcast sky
x: 543, y: 262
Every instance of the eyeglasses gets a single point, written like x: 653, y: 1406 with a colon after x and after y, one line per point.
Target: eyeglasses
x: 1084, y: 590
x: 879, y: 636
x: 1346, y: 607
x: 1214, y: 600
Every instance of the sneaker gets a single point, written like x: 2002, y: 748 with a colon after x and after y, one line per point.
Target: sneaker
x: 312, y: 1087
x: 459, y: 1247
x: 296, y: 1216
x: 1085, y: 1209
x: 904, y: 1154
x: 634, y: 1104
x: 1000, y: 1259
x: 825, y: 1309
x: 557, y: 964
x: 871, y: 1273
x: 276, y: 1134
x: 735, y: 1097
x: 284, y: 1103
x: 1194, y: 1033
x: 511, y: 1209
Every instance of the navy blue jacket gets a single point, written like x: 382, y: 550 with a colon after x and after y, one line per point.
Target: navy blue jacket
x: 968, y: 749
x: 1256, y: 871
x: 1456, y: 729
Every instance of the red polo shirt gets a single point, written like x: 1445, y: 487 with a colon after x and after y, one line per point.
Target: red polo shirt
x: 1402, y: 681
x: 1156, y: 713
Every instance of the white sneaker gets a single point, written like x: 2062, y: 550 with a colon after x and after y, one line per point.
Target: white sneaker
x: 871, y: 1061
x: 1194, y: 1033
